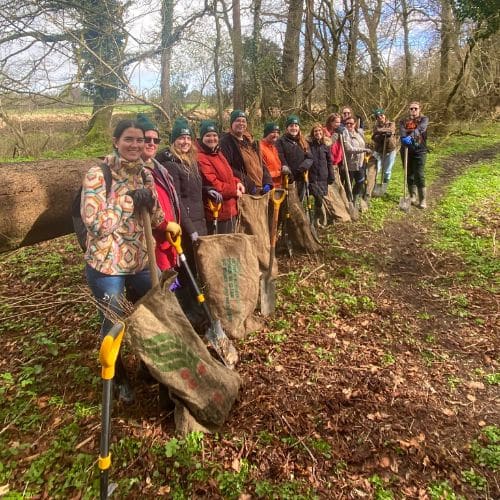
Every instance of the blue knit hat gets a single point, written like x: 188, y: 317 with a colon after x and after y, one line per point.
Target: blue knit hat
x: 180, y: 127
x: 292, y: 119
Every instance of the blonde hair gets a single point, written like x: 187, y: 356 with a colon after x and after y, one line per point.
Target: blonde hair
x: 189, y: 160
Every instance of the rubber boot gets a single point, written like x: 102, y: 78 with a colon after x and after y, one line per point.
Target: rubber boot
x: 384, y: 187
x: 413, y: 195
x: 422, y: 194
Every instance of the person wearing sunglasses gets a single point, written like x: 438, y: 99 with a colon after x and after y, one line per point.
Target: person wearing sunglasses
x: 413, y: 134
x: 355, y: 149
x: 347, y: 113
x: 166, y: 256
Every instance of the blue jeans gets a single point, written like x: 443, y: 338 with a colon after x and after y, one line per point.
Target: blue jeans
x: 388, y: 163
x: 109, y: 290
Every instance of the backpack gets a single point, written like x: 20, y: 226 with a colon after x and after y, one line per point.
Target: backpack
x: 78, y: 225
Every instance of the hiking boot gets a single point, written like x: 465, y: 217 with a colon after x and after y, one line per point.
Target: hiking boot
x: 413, y: 195
x: 422, y: 193
x: 124, y: 392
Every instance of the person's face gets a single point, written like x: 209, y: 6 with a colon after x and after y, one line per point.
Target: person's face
x: 239, y: 126
x: 318, y: 133
x: 273, y: 136
x: 151, y: 141
x: 293, y: 129
x: 381, y: 118
x: 414, y: 110
x: 130, y: 144
x: 336, y: 123
x: 183, y: 143
x: 350, y: 124
x: 211, y: 139
x: 346, y: 113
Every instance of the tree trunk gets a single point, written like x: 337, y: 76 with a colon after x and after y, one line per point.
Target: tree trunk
x: 238, y: 93
x: 218, y: 83
x: 352, y: 39
x: 167, y: 14
x: 405, y: 15
x: 36, y: 198
x: 307, y: 70
x: 291, y: 51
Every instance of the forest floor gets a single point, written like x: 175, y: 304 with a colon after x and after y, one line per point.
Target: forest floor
x: 377, y: 378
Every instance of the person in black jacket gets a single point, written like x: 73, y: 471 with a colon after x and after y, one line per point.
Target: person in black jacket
x: 294, y: 153
x: 181, y: 162
x: 321, y: 172
x: 242, y: 153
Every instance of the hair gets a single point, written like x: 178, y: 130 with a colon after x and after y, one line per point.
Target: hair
x: 315, y: 126
x: 331, y: 118
x: 300, y: 139
x: 415, y: 102
x: 123, y: 125
x: 347, y: 107
x: 188, y: 160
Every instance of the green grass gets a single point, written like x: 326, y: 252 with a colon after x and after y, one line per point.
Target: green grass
x: 462, y: 224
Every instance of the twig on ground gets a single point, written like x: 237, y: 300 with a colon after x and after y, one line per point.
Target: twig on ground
x: 310, y: 274
x: 301, y: 440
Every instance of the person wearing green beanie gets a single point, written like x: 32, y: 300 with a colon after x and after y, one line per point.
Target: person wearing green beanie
x: 242, y: 153
x: 292, y: 120
x: 220, y: 185
x: 180, y: 127
x: 385, y: 146
x: 145, y: 122
x: 269, y: 152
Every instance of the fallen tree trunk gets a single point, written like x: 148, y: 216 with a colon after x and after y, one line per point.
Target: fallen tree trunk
x: 35, y: 200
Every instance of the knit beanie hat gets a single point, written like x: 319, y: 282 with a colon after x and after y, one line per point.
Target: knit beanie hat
x: 207, y: 126
x: 378, y: 111
x: 292, y: 119
x: 181, y: 127
x: 145, y: 123
x: 270, y: 127
x: 237, y: 113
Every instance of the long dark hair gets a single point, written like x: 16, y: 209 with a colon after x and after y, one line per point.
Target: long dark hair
x: 123, y: 125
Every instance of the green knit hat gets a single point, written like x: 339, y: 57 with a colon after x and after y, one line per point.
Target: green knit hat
x: 378, y: 111
x: 145, y: 123
x: 237, y: 113
x: 270, y: 127
x: 207, y: 126
x: 292, y: 119
x: 180, y: 127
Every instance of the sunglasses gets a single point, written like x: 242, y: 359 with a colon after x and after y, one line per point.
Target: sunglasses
x: 413, y: 109
x: 346, y: 112
x: 150, y: 140
x: 349, y: 123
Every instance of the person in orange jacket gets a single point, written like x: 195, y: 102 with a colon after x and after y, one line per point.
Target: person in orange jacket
x: 269, y: 153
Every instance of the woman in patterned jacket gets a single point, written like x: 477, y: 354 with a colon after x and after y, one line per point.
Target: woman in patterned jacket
x: 116, y: 255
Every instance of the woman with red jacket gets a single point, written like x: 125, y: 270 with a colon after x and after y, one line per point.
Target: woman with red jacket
x: 219, y: 183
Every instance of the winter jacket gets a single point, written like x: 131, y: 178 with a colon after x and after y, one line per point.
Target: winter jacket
x: 188, y: 185
x: 166, y: 255
x: 271, y: 159
x: 416, y: 128
x: 217, y: 174
x: 335, y: 146
x: 230, y: 148
x: 321, y: 171
x: 115, y: 242
x: 387, y: 132
x: 292, y: 155
x: 354, y: 146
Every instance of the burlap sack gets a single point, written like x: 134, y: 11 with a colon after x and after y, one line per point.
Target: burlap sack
x: 253, y: 219
x: 371, y: 174
x: 229, y: 268
x: 299, y: 228
x: 335, y: 207
x: 162, y: 336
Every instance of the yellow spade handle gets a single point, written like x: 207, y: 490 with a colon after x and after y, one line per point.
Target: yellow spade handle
x: 306, y: 175
x: 175, y: 242
x: 215, y: 208
x: 110, y: 347
x: 279, y: 199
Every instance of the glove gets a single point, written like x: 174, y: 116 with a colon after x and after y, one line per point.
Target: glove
x: 285, y: 170
x: 253, y: 190
x: 341, y: 129
x: 215, y: 195
x: 407, y: 141
x: 194, y: 236
x: 174, y: 229
x: 176, y: 285
x: 142, y: 198
x: 266, y: 188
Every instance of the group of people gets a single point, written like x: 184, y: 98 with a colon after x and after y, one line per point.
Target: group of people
x: 192, y: 188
